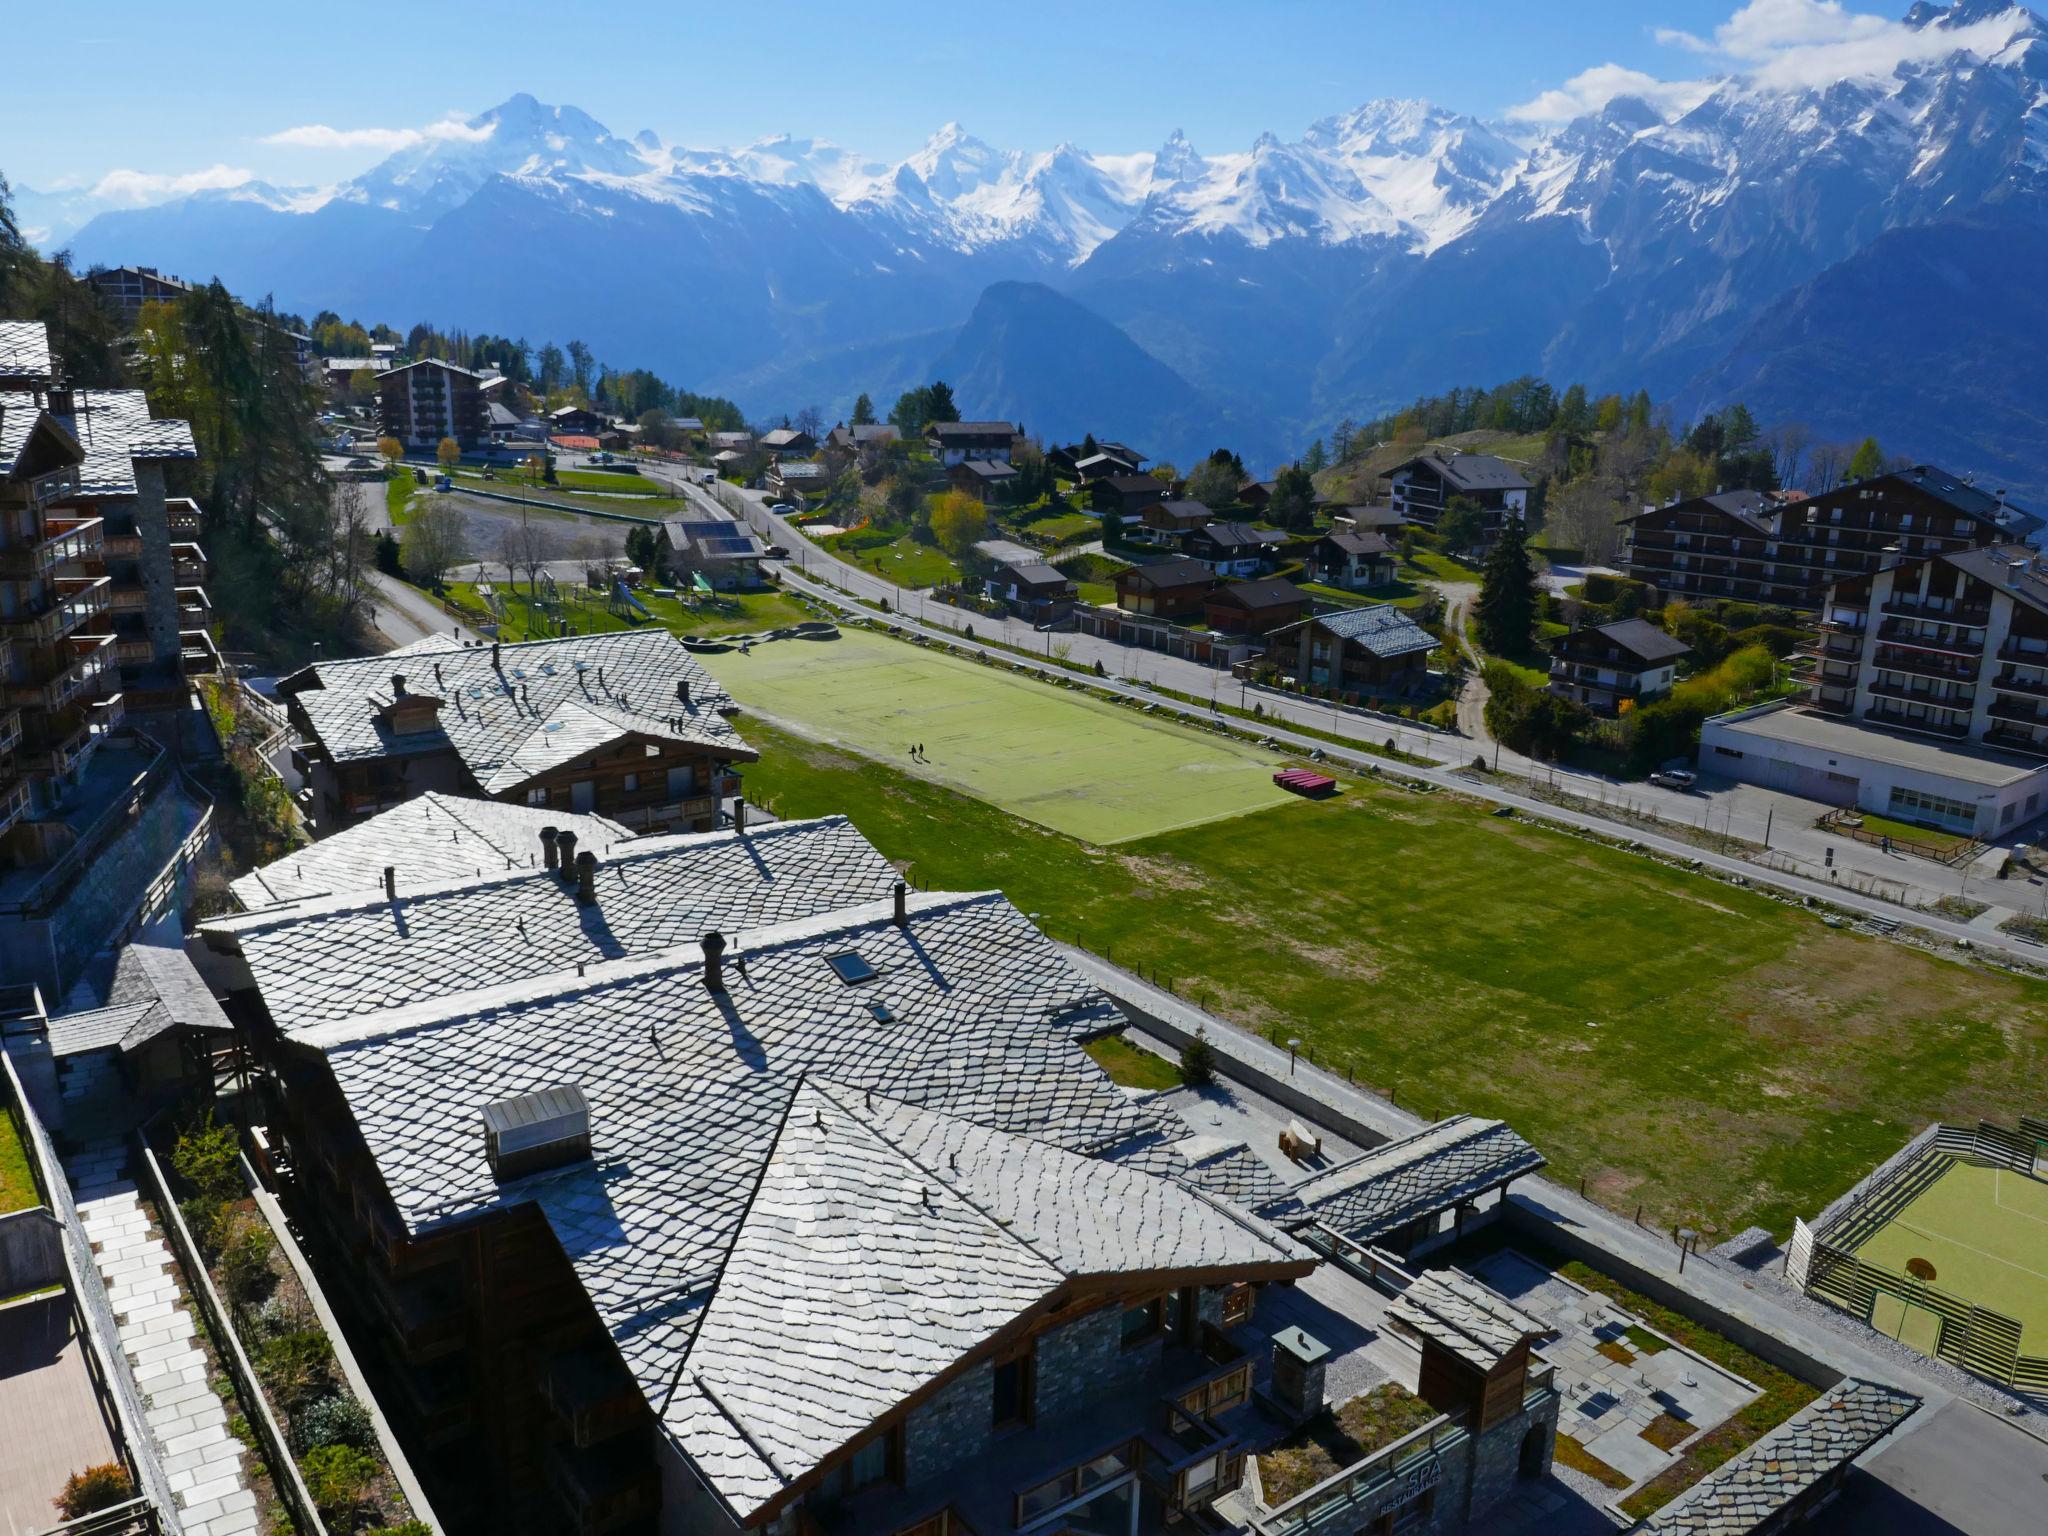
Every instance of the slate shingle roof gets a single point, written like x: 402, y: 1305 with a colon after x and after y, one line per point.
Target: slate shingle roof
x: 971, y: 1013
x: 1737, y: 1497
x: 1232, y: 1170
x: 886, y: 1242
x: 1450, y: 1307
x: 1642, y: 640
x: 24, y: 350
x: 348, y: 956
x: 500, y: 702
x: 1471, y: 471
x: 428, y: 840
x: 155, y: 988
x: 1381, y: 629
x: 115, y: 429
x: 1439, y: 1165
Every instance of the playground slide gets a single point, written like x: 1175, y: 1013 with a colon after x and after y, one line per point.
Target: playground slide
x: 621, y: 593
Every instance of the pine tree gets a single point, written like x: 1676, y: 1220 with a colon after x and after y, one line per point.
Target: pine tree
x: 863, y: 411
x: 1505, y: 613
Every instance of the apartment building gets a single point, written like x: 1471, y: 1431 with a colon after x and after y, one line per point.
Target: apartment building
x: 426, y: 401
x: 1422, y: 488
x: 91, y: 814
x: 626, y: 726
x: 1783, y: 550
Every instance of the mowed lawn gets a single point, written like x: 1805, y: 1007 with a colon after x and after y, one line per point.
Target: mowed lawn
x: 1985, y: 1231
x: 1714, y: 1055
x: 1100, y: 772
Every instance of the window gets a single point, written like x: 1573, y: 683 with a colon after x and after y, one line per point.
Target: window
x: 1013, y: 1390
x: 871, y: 1463
x: 1237, y: 1305
x: 850, y: 967
x: 1726, y: 752
x: 1919, y: 805
x: 632, y: 782
x: 1143, y: 1321
x: 537, y: 796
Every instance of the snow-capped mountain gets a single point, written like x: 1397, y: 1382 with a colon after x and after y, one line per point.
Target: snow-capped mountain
x: 1387, y: 251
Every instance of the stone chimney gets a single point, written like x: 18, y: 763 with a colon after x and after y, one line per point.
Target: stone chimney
x: 901, y: 893
x: 714, y: 961
x: 391, y: 882
x: 739, y: 814
x: 398, y: 685
x: 586, y: 878
x: 1299, y: 1361
x: 549, y: 855
x: 565, y: 850
x: 683, y: 692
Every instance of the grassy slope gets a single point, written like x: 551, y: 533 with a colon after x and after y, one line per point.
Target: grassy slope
x: 17, y: 1183
x: 1706, y: 1051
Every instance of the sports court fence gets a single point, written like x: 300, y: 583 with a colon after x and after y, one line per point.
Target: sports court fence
x: 1821, y: 1259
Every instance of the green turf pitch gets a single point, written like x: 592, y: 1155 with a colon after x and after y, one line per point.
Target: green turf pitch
x: 1100, y: 772
x: 1985, y: 1231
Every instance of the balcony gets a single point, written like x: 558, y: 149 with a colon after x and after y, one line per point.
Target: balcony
x: 592, y: 1394
x: 2011, y: 738
x: 1927, y: 696
x: 70, y: 602
x: 1969, y: 615
x: 195, y: 609
x: 1922, y: 664
x: 88, y: 659
x: 197, y: 653
x: 14, y: 801
x: 188, y: 564
x: 183, y: 515
x: 10, y: 731
x: 1920, y: 726
x: 606, y: 1487
x: 2013, y: 682
x: 65, y: 540
x: 1894, y: 632
x: 2011, y: 651
x: 2013, y: 709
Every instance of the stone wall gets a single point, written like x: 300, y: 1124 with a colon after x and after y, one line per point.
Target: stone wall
x: 1086, y: 1361
x: 951, y: 1427
x: 159, y: 583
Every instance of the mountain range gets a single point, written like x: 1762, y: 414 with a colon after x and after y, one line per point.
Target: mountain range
x: 1862, y: 255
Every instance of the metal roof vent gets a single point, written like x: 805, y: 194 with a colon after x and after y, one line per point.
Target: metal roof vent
x: 535, y: 1131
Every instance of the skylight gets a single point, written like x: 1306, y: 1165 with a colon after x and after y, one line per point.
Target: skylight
x: 850, y: 967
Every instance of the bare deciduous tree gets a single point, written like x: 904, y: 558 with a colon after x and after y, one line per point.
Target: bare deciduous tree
x: 436, y: 540
x: 536, y: 548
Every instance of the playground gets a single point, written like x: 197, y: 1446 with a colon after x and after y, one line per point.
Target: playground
x: 1980, y: 1234
x: 1095, y: 771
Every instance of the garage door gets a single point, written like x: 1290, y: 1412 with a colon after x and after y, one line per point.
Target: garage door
x: 1814, y: 783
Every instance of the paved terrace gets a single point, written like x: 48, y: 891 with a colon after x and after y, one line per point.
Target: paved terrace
x: 45, y: 1382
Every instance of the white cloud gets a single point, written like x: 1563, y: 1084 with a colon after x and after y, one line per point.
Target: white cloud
x: 1591, y: 89
x: 320, y: 136
x: 153, y: 186
x: 1778, y: 45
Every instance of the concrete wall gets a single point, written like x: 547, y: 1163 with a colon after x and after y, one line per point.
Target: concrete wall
x: 31, y: 1251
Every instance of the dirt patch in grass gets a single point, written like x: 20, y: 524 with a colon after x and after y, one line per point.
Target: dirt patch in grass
x: 1336, y: 1439
x: 1667, y: 1432
x: 1132, y: 1066
x: 1574, y: 1455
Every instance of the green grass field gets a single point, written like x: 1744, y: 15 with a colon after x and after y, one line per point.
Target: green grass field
x: 903, y: 560
x: 17, y: 1182
x: 1985, y: 1231
x: 1718, y: 1056
x: 727, y: 613
x: 1093, y: 770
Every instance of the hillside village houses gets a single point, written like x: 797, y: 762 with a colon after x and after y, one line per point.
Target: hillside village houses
x: 1421, y: 489
x: 952, y: 442
x: 1604, y: 665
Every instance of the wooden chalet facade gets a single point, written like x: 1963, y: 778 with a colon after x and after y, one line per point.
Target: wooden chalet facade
x: 1255, y: 607
x: 1171, y: 589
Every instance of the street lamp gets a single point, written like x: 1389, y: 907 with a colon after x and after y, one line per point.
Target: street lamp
x: 1686, y: 1239
x: 1293, y: 1045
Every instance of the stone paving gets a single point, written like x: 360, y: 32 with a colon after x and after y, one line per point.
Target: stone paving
x: 1608, y: 1402
x: 187, y: 1418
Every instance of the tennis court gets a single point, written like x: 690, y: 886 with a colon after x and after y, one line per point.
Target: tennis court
x: 1985, y: 1231
x: 1101, y: 772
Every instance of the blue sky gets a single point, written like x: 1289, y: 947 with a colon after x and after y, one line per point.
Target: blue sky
x: 222, y: 90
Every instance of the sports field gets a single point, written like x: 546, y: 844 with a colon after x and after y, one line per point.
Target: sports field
x: 1099, y: 772
x: 1985, y: 1231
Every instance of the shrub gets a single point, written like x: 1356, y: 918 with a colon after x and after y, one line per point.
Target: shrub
x: 1198, y: 1061
x: 206, y: 1157
x: 335, y: 1420
x: 205, y: 1219
x: 282, y: 1313
x: 96, y: 1488
x: 409, y: 1528
x: 245, y: 1272
x: 338, y: 1477
x: 296, y: 1367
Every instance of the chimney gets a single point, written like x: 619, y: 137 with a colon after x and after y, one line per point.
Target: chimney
x: 2014, y: 570
x: 565, y: 849
x: 586, y: 878
x: 739, y: 814
x: 714, y: 961
x: 547, y: 848
x: 398, y: 685
x: 391, y: 882
x: 494, y: 654
x: 1299, y: 1362
x: 683, y: 692
x: 901, y: 894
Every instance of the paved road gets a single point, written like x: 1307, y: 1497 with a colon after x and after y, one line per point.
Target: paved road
x: 403, y: 613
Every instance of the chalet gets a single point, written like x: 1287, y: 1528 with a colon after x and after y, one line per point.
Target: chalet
x: 1028, y: 581
x: 983, y: 479
x: 1784, y: 551
x: 1421, y: 488
x: 1129, y: 494
x: 1168, y: 521
x: 1371, y: 650
x: 689, y: 426
x: 789, y: 443
x: 952, y: 441
x: 624, y: 725
x: 422, y: 403
x: 1233, y: 549
x: 719, y: 549
x: 740, y: 443
x: 1106, y: 462
x: 577, y: 421
x: 864, y: 444
x: 1257, y: 494
x: 1351, y: 561
x: 1601, y: 665
x: 1378, y: 517
x: 1255, y: 607
x: 794, y: 479
x: 1171, y: 589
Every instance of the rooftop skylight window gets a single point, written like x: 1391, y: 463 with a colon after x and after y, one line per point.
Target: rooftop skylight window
x: 850, y: 967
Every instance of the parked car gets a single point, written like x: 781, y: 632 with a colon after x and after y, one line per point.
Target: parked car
x: 783, y: 509
x: 1674, y: 778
